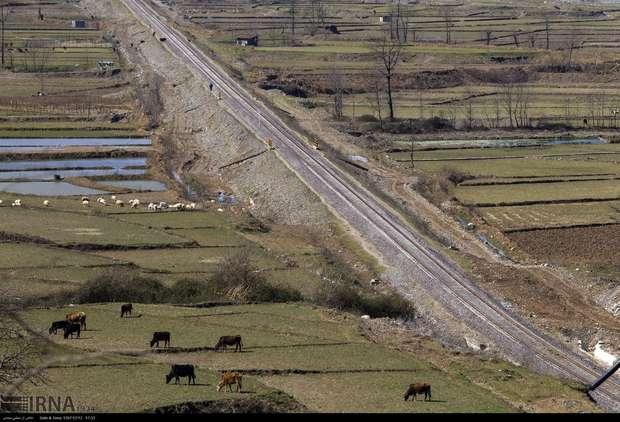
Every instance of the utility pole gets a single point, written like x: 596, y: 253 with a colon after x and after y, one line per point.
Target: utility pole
x: 2, y: 31
x: 293, y: 11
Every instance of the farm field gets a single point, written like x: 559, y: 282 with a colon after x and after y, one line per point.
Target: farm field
x: 458, y: 74
x: 287, y: 337
x: 169, y: 246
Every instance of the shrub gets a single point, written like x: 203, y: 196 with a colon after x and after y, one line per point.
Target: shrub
x: 346, y: 297
x: 192, y: 291
x: 367, y: 118
x: 122, y: 286
x: 239, y: 280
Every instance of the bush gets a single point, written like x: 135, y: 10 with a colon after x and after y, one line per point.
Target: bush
x: 192, y: 291
x: 367, y: 118
x: 122, y: 286
x: 345, y: 297
x: 237, y: 279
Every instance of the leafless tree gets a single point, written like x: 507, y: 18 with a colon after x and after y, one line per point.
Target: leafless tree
x: 446, y: 12
x: 516, y: 100
x: 337, y: 82
x: 36, y: 56
x: 378, y: 89
x: 547, y: 29
x: 388, y: 54
x: 317, y: 15
x: 573, y: 41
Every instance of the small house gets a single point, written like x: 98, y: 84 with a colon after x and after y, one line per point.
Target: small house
x: 245, y: 41
x: 78, y: 24
x: 384, y: 19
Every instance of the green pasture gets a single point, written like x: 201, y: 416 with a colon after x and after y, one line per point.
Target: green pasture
x: 134, y: 387
x: 348, y: 372
x: 522, y: 167
x: 77, y: 228
x: 12, y: 256
x: 187, y: 260
x: 500, y: 194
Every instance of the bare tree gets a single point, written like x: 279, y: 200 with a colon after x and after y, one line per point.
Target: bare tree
x: 317, y: 15
x: 516, y: 100
x: 36, y: 56
x: 572, y: 42
x: 547, y: 29
x: 446, y: 12
x: 388, y: 54
x: 337, y: 82
x: 378, y: 88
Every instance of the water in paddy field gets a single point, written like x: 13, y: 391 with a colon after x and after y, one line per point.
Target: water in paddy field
x: 139, y: 185
x: 79, y: 163
x: 48, y: 189
x: 505, y: 143
x: 43, y: 177
x: 43, y: 144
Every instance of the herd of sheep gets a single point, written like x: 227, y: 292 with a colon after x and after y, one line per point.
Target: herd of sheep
x: 133, y: 203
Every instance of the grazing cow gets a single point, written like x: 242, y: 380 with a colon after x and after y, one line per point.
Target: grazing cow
x: 77, y: 317
x: 229, y: 341
x: 177, y: 371
x: 126, y: 309
x: 71, y: 329
x: 415, y: 389
x: 161, y: 336
x: 228, y: 379
x: 57, y: 325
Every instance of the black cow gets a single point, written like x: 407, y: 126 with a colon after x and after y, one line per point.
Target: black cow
x: 71, y: 329
x: 177, y: 371
x: 229, y: 341
x: 161, y: 336
x: 126, y: 309
x: 57, y: 325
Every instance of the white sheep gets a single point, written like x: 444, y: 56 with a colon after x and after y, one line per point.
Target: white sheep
x: 46, y: 203
x: 85, y: 202
x: 191, y: 206
x: 119, y: 203
x: 113, y: 197
x: 1, y: 201
x: 163, y: 205
x: 17, y: 203
x: 134, y: 203
x: 101, y: 201
x: 152, y: 207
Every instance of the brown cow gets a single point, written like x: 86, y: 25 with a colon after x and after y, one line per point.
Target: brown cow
x: 415, y: 389
x: 228, y: 379
x: 229, y: 341
x: 77, y: 317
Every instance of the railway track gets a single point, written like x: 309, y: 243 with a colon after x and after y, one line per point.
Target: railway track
x: 399, y: 246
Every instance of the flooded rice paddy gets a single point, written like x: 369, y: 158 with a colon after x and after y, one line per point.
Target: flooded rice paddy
x: 52, y: 177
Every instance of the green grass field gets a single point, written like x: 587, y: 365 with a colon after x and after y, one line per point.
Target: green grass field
x: 348, y: 372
